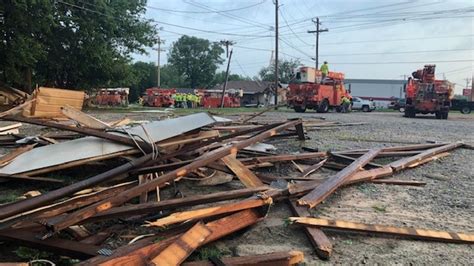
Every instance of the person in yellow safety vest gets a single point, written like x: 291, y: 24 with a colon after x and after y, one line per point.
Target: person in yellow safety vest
x: 324, y: 70
x: 345, y: 103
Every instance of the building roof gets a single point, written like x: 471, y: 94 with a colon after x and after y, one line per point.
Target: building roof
x: 248, y: 86
x: 376, y: 81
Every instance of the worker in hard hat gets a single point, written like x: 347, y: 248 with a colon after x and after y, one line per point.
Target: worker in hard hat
x: 324, y: 70
x: 345, y: 104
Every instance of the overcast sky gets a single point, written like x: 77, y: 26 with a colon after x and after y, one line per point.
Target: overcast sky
x: 366, y: 39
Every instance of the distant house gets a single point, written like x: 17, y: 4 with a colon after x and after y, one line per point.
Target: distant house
x: 382, y: 91
x: 255, y: 93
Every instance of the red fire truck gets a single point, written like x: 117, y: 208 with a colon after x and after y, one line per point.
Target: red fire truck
x: 309, y: 91
x: 212, y: 98
x: 158, y: 97
x: 424, y: 94
x: 112, y: 97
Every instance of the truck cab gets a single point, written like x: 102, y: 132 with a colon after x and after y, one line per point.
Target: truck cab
x: 309, y: 91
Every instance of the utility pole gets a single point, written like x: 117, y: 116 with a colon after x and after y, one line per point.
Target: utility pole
x: 227, y: 43
x: 226, y: 78
x: 317, y: 31
x: 276, y: 53
x: 158, y: 63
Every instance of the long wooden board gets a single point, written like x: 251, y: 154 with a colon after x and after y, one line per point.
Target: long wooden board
x: 247, y: 177
x: 322, y: 191
x: 425, y: 234
x: 178, y: 217
x: 180, y: 249
x: 270, y: 259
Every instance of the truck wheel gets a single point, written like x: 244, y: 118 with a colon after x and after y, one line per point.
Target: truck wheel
x: 439, y: 115
x: 365, y: 108
x: 300, y: 109
x: 410, y: 112
x: 323, y: 107
x: 465, y: 110
x: 444, y: 115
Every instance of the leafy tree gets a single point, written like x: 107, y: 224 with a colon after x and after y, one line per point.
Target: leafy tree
x: 198, y: 60
x: 286, y: 70
x: 72, y: 43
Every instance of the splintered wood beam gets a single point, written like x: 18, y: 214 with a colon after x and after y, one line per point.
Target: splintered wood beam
x: 289, y: 258
x: 17, y: 177
x: 83, y: 118
x: 201, y: 161
x: 398, y: 182
x: 28, y: 204
x: 318, y: 239
x: 65, y: 247
x: 366, y: 175
x: 247, y: 177
x: 32, y: 216
x: 5, y: 159
x: 286, y: 157
x: 347, y: 160
x: 178, y: 217
x: 140, y: 255
x: 151, y: 207
x: 414, y: 233
x: 322, y: 191
x: 406, y: 162
x: 180, y: 249
x: 311, y: 169
x: 429, y: 159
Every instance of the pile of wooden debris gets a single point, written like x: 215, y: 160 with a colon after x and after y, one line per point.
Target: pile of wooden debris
x: 76, y: 219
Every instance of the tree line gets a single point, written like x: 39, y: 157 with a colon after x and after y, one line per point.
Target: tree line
x: 77, y: 44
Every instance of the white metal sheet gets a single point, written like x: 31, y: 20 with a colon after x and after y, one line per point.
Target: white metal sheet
x: 89, y: 147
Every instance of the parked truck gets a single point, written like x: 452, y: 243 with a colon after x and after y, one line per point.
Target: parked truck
x: 212, y: 98
x: 157, y: 97
x: 308, y: 91
x: 424, y: 94
x: 465, y: 106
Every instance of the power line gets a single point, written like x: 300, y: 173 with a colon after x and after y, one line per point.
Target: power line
x: 402, y: 52
x: 206, y: 12
x: 401, y: 62
x: 170, y: 24
x: 286, y: 22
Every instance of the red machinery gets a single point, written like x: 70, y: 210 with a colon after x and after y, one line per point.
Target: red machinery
x: 308, y: 91
x: 424, y: 94
x: 112, y: 97
x: 212, y: 98
x: 157, y: 97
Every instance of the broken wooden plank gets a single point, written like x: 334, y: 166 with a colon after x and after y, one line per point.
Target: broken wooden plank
x: 140, y: 255
x: 171, y: 204
x: 406, y: 162
x: 311, y: 169
x: 398, y: 182
x: 322, y: 191
x: 347, y: 160
x: 429, y: 159
x: 286, y: 157
x: 83, y: 118
x: 366, y: 175
x: 65, y: 247
x: 424, y: 234
x: 180, y: 249
x: 201, y: 161
x: 247, y: 177
x: 269, y: 259
x: 318, y: 239
x: 196, y: 214
x: 10, y: 129
x: 5, y: 159
x: 31, y: 178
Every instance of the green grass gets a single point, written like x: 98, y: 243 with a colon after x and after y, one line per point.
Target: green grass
x: 379, y: 208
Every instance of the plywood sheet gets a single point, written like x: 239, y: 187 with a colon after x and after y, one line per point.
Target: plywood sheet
x: 49, y: 102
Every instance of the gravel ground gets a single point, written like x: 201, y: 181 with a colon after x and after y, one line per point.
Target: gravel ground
x: 445, y: 203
